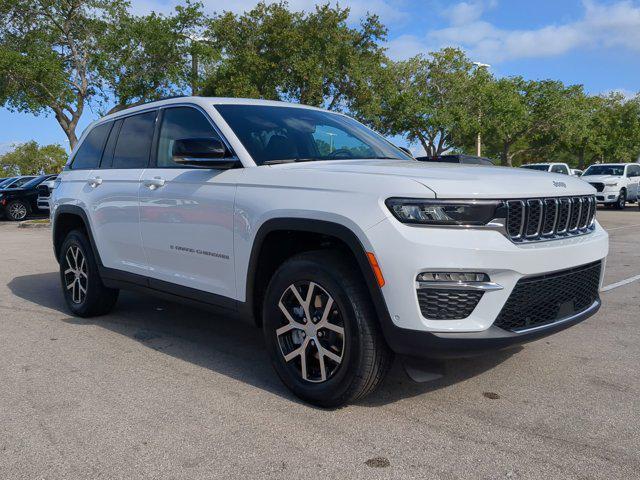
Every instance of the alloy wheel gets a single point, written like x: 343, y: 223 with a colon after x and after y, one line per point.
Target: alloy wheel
x: 312, y: 335
x: 622, y: 200
x: 75, y: 274
x: 18, y: 211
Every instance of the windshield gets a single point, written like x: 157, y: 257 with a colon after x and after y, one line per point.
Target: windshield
x: 289, y: 134
x: 18, y: 182
x: 35, y: 181
x: 617, y: 170
x: 6, y: 182
x: 543, y: 168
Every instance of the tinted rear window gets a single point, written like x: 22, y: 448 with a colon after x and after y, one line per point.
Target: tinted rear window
x: 89, y: 153
x: 134, y: 142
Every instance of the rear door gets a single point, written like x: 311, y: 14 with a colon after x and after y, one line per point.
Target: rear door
x: 186, y: 212
x: 113, y: 200
x: 74, y: 187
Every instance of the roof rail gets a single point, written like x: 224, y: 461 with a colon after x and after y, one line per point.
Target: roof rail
x: 121, y: 108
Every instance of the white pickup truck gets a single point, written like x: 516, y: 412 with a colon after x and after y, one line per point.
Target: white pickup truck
x: 340, y: 246
x: 615, y: 183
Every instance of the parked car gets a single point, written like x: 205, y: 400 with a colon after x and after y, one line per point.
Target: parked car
x: 16, y: 182
x: 461, y: 159
x: 616, y: 183
x: 561, y: 168
x: 44, y: 193
x: 20, y: 198
x: 343, y: 251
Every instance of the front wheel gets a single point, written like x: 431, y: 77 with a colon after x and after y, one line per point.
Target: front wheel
x: 17, y: 210
x: 84, y: 292
x: 622, y: 200
x: 321, y: 330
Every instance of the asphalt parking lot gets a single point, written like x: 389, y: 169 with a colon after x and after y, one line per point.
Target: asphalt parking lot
x: 159, y: 390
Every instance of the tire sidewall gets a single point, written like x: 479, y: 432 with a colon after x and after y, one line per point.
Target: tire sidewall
x: 8, y: 212
x: 622, y: 200
x: 76, y: 238
x: 305, y: 270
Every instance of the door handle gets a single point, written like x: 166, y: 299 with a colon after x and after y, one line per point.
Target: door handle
x: 155, y: 182
x: 94, y: 182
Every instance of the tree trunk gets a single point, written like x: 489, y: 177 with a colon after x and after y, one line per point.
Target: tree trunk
x: 506, y: 159
x: 581, y: 155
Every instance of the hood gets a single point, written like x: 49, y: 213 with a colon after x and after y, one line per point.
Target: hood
x: 601, y: 178
x: 459, y: 181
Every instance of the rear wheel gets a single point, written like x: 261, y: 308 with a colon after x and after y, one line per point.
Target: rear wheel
x: 84, y: 292
x: 321, y: 331
x: 17, y: 210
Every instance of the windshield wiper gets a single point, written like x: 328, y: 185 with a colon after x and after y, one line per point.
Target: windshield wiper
x: 290, y: 160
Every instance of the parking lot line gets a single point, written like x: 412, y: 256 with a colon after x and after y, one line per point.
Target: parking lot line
x: 625, y: 226
x: 621, y: 283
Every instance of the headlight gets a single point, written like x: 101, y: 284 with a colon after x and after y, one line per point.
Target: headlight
x: 611, y: 184
x: 445, y: 212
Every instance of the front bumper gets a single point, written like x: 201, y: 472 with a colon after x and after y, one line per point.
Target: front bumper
x: 468, y: 344
x: 608, y: 196
x: 405, y: 251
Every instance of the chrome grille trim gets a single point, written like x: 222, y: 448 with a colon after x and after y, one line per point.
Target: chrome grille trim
x: 550, y: 218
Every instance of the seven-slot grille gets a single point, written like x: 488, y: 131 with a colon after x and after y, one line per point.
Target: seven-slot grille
x: 547, y: 218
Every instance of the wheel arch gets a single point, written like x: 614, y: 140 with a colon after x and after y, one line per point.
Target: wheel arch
x: 67, y: 218
x: 255, y: 285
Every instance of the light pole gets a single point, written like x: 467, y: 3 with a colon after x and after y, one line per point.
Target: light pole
x: 480, y: 65
x: 194, y: 61
x: 331, y: 135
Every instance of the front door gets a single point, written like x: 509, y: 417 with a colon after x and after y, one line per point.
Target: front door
x: 187, y: 213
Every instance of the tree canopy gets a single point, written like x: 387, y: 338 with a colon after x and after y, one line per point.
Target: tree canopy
x: 32, y: 159
x: 63, y: 57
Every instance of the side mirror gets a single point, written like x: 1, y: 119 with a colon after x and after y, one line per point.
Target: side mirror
x: 202, y: 153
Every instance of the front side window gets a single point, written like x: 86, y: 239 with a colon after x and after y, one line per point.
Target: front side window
x: 89, y: 153
x: 616, y: 170
x: 560, y: 169
x: 633, y: 171
x: 274, y: 134
x: 180, y: 123
x: 134, y: 141
x: 19, y: 182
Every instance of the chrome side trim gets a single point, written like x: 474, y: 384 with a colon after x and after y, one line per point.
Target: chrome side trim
x: 484, y: 286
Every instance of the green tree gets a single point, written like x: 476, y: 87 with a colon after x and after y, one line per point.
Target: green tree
x: 431, y: 100
x: 147, y: 57
x: 314, y: 58
x: 50, y: 51
x: 32, y: 159
x: 525, y: 119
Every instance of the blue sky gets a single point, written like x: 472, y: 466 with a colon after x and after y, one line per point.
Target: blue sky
x: 591, y: 42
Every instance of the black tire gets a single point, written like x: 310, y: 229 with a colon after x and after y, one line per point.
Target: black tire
x: 17, y: 210
x: 97, y: 299
x: 622, y: 200
x: 366, y: 358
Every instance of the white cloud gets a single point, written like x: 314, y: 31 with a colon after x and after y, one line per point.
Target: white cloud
x: 466, y: 12
x: 8, y: 146
x: 615, y: 25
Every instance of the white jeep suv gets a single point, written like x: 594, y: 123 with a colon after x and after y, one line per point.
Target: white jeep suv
x: 343, y: 248
x: 615, y: 183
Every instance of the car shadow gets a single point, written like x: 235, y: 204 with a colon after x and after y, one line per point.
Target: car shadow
x: 231, y: 348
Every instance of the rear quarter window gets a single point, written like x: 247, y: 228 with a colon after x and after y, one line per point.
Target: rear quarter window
x: 90, y: 151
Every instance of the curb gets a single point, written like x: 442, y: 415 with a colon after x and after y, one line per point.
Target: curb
x: 34, y: 224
